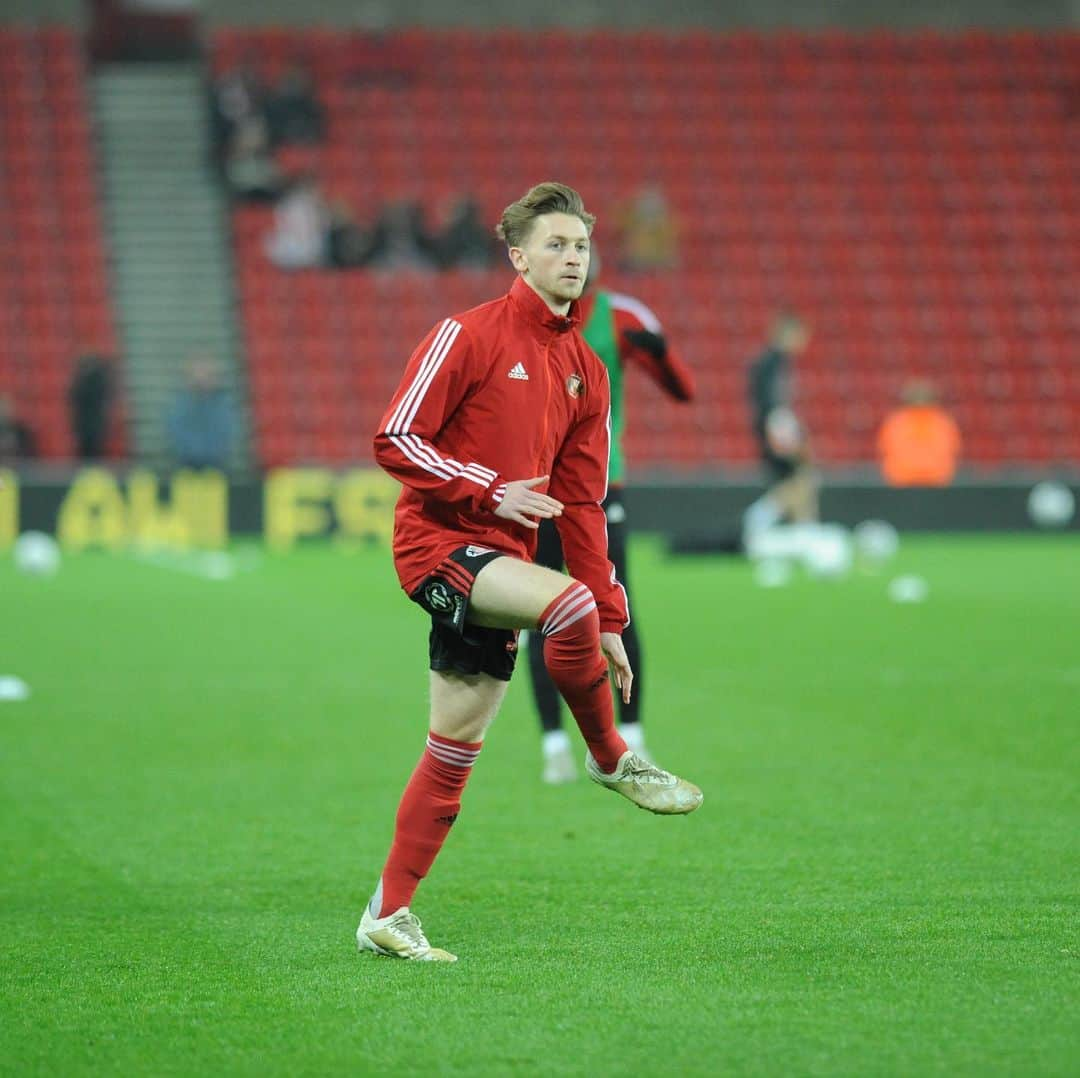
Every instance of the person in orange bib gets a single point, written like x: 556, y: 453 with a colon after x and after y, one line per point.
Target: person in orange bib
x: 919, y: 442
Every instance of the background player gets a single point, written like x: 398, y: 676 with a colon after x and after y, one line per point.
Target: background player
x: 623, y: 332
x: 791, y: 481
x: 496, y: 402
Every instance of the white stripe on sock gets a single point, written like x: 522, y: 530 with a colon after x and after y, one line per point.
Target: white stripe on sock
x: 449, y: 754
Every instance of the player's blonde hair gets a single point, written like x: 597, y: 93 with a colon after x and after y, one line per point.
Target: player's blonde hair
x: 549, y: 197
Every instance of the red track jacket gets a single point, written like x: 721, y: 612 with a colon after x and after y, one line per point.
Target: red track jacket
x: 505, y: 391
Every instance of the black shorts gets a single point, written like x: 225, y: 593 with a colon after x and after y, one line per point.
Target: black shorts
x: 778, y: 468
x: 453, y: 643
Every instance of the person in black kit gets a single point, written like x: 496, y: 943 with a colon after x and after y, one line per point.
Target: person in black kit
x: 16, y: 438
x: 792, y: 486
x: 89, y: 396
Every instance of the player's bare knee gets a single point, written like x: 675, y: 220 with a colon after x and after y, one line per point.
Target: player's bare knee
x: 463, y: 706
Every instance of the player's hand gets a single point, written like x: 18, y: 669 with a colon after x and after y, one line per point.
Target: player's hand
x: 521, y: 502
x: 612, y: 646
x: 652, y: 344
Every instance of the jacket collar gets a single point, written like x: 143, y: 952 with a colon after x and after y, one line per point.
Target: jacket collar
x: 531, y: 307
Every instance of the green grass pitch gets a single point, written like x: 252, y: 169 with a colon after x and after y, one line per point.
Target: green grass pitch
x: 196, y: 800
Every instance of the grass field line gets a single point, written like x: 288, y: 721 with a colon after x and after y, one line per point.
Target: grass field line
x: 214, y: 565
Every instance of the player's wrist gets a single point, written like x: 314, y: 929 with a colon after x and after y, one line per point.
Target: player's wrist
x: 493, y: 494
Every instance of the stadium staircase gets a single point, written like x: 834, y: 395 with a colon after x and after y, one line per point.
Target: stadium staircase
x: 172, y: 269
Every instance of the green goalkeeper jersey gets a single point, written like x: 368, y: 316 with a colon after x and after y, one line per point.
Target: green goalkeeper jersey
x: 599, y: 333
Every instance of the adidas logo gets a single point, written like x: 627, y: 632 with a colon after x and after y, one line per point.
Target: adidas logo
x: 518, y: 371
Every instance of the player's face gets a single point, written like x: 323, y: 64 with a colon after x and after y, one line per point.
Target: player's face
x: 554, y: 259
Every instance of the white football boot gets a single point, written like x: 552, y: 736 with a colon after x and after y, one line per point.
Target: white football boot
x: 648, y: 786
x: 398, y: 935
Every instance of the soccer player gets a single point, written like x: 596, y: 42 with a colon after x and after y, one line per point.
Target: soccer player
x: 791, y: 480
x: 623, y: 332
x: 500, y: 421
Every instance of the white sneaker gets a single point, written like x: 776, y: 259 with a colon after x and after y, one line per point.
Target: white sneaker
x: 648, y: 786
x: 634, y: 736
x: 398, y: 935
x: 559, y: 767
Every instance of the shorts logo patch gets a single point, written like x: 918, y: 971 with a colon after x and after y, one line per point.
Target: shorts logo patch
x: 574, y: 385
x: 438, y: 596
x: 476, y: 551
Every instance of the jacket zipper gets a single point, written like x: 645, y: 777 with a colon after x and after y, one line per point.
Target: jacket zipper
x: 547, y: 402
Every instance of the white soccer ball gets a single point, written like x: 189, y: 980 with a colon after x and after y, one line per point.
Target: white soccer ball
x: 36, y: 554
x: 876, y: 541
x: 1051, y: 504
x: 772, y: 572
x: 908, y: 589
x: 829, y: 553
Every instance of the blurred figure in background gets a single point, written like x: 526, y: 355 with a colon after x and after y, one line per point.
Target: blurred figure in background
x: 249, y: 168
x: 401, y: 240
x: 649, y: 233
x: 348, y: 243
x: 89, y: 397
x: 294, y: 113
x: 465, y: 241
x: 201, y: 421
x: 236, y: 98
x: 16, y: 438
x: 300, y: 236
x: 792, y: 483
x: 919, y: 442
x: 623, y: 332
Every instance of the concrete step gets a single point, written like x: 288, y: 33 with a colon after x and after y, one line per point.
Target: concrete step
x: 169, y: 235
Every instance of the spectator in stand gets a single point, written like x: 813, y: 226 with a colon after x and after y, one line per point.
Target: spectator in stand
x: 201, y: 421
x: 294, y: 112
x: 89, y: 397
x: 401, y: 240
x: 465, y: 241
x: 251, y: 173
x: 919, y: 442
x: 16, y: 438
x: 299, y: 239
x: 649, y: 233
x: 236, y: 98
x: 349, y: 244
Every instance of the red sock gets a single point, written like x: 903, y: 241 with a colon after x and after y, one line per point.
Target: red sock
x: 571, y: 628
x: 427, y: 811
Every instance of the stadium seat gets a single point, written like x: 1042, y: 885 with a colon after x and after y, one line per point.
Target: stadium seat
x: 54, y: 304
x: 910, y: 193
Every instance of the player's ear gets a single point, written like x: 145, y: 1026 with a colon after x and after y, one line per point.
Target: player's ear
x: 518, y: 259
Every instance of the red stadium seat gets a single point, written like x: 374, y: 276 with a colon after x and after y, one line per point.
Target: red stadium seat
x: 911, y: 193
x: 54, y: 305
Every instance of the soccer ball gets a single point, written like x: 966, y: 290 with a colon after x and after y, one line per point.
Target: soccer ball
x: 828, y: 552
x: 908, y: 589
x: 1051, y: 504
x: 36, y: 554
x: 772, y: 573
x: 876, y: 541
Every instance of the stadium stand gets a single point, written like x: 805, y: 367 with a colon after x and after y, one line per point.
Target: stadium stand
x: 54, y: 295
x: 913, y: 195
